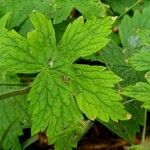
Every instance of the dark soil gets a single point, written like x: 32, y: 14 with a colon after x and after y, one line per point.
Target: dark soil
x: 97, y: 138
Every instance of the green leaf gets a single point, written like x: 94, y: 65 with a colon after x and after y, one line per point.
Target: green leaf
x: 121, y: 5
x: 25, y: 55
x: 13, y: 114
x: 89, y: 8
x: 71, y: 139
x: 140, y: 92
x: 3, y: 30
x: 140, y: 61
x: 129, y: 28
x: 145, y: 37
x: 128, y: 129
x: 82, y: 39
x: 52, y: 105
x: 95, y: 83
x: 57, y: 96
x: 116, y: 60
x: 3, y: 21
x: 21, y: 9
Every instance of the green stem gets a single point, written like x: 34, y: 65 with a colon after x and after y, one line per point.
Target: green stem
x: 30, y: 141
x: 128, y: 9
x: 26, y: 126
x: 21, y: 91
x: 129, y: 101
x: 144, y: 127
x: 5, y: 134
x: 14, y: 84
x: 89, y: 125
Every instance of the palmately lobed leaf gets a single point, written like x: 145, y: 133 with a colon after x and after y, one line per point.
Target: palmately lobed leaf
x: 63, y: 90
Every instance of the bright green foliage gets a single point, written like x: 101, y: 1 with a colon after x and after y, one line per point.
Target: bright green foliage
x: 113, y: 56
x: 118, y: 60
x: 21, y: 9
x: 145, y: 37
x: 84, y: 39
x: 92, y: 81
x: 3, y: 21
x: 52, y: 105
x: 61, y: 9
x: 128, y: 129
x: 28, y: 55
x: 13, y: 114
x: 62, y: 58
x: 62, y: 89
x: 141, y: 60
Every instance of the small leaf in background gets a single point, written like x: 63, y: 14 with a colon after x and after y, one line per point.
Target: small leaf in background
x: 128, y: 30
x: 140, y: 92
x: 140, y: 60
x: 13, y: 114
x: 115, y: 59
x: 89, y: 8
x: 21, y: 10
x: 121, y: 5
